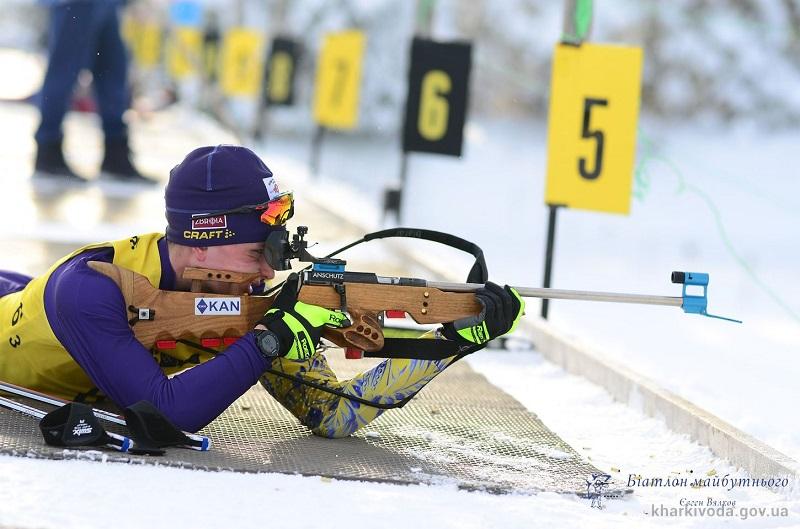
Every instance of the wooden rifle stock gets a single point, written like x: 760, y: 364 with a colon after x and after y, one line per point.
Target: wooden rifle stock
x: 171, y: 315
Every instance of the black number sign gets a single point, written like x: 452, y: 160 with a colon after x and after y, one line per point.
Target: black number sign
x: 280, y: 74
x: 436, y: 108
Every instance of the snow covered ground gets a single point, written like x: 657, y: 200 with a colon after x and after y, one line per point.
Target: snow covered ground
x: 706, y: 200
x: 746, y: 374
x: 54, y: 493
x: 86, y: 495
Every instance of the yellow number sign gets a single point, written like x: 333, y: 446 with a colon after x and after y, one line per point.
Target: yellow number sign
x: 185, y: 52
x: 149, y: 45
x: 338, y: 80
x: 242, y: 63
x: 591, y: 139
x: 144, y: 41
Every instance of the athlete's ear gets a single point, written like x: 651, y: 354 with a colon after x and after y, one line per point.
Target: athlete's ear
x: 200, y: 253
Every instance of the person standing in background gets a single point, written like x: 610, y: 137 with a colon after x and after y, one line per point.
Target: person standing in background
x: 84, y: 34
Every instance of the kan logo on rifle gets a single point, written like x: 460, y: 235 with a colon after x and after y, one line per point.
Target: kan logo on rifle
x: 217, y: 306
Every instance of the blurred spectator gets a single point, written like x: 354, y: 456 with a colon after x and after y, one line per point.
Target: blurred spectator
x: 84, y: 34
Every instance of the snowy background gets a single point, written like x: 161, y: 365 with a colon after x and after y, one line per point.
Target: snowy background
x: 716, y: 190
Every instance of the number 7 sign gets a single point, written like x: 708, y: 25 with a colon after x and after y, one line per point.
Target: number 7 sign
x: 338, y: 79
x: 594, y: 108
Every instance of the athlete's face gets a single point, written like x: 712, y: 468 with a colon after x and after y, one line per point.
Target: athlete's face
x: 245, y: 257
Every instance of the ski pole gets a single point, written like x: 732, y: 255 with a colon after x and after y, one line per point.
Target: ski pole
x: 196, y: 442
x: 47, y: 399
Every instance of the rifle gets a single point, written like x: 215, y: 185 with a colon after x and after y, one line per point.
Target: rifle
x: 162, y: 318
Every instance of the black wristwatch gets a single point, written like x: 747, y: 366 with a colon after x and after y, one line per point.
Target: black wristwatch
x: 268, y: 343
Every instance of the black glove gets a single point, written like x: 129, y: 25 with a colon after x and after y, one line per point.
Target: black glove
x: 298, y: 325
x: 501, y: 308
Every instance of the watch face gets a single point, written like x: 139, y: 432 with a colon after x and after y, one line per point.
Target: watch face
x: 268, y: 343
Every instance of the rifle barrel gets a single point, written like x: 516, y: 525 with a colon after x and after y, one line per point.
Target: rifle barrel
x: 553, y: 293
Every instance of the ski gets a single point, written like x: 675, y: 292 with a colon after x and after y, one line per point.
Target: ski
x: 194, y: 441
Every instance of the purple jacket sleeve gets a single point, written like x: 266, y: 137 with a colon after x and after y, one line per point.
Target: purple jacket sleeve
x: 88, y: 315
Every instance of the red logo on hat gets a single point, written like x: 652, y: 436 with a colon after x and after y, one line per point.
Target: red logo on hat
x: 210, y: 223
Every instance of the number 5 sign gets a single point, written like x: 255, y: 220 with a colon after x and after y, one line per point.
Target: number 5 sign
x: 594, y: 107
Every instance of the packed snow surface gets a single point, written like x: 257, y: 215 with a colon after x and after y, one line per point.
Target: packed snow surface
x: 39, y: 493
x: 722, y: 200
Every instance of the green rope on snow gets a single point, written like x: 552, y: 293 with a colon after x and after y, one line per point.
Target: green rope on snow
x: 642, y: 187
x: 641, y: 178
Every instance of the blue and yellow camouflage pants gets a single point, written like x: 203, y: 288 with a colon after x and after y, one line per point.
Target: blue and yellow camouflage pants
x: 331, y: 415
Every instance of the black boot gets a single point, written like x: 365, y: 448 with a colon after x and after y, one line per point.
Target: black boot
x: 117, y: 163
x: 50, y: 164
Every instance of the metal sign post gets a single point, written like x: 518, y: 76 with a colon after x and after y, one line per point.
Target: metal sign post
x: 337, y: 86
x: 594, y: 107
x: 548, y: 259
x: 577, y: 24
x: 393, y: 196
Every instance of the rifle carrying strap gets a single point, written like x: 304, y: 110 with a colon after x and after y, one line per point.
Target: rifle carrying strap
x: 427, y: 349
x: 479, y: 273
x: 416, y: 348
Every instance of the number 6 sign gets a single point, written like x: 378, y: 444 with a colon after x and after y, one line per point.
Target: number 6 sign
x: 594, y: 107
x: 436, y: 107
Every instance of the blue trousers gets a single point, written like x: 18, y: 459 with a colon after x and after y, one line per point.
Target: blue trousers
x: 85, y: 35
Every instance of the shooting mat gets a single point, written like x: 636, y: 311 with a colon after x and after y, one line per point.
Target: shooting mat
x: 460, y: 430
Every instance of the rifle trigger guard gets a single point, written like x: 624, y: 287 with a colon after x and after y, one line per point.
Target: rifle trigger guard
x: 339, y: 287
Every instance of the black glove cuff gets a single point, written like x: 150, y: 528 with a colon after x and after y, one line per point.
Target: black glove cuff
x: 267, y: 319
x: 448, y: 330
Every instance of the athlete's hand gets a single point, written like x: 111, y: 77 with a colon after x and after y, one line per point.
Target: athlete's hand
x: 298, y: 325
x: 501, y: 308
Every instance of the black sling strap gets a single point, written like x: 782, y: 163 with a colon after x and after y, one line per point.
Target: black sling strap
x: 479, y: 272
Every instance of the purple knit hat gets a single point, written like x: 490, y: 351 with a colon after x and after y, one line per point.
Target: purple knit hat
x: 217, y: 179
